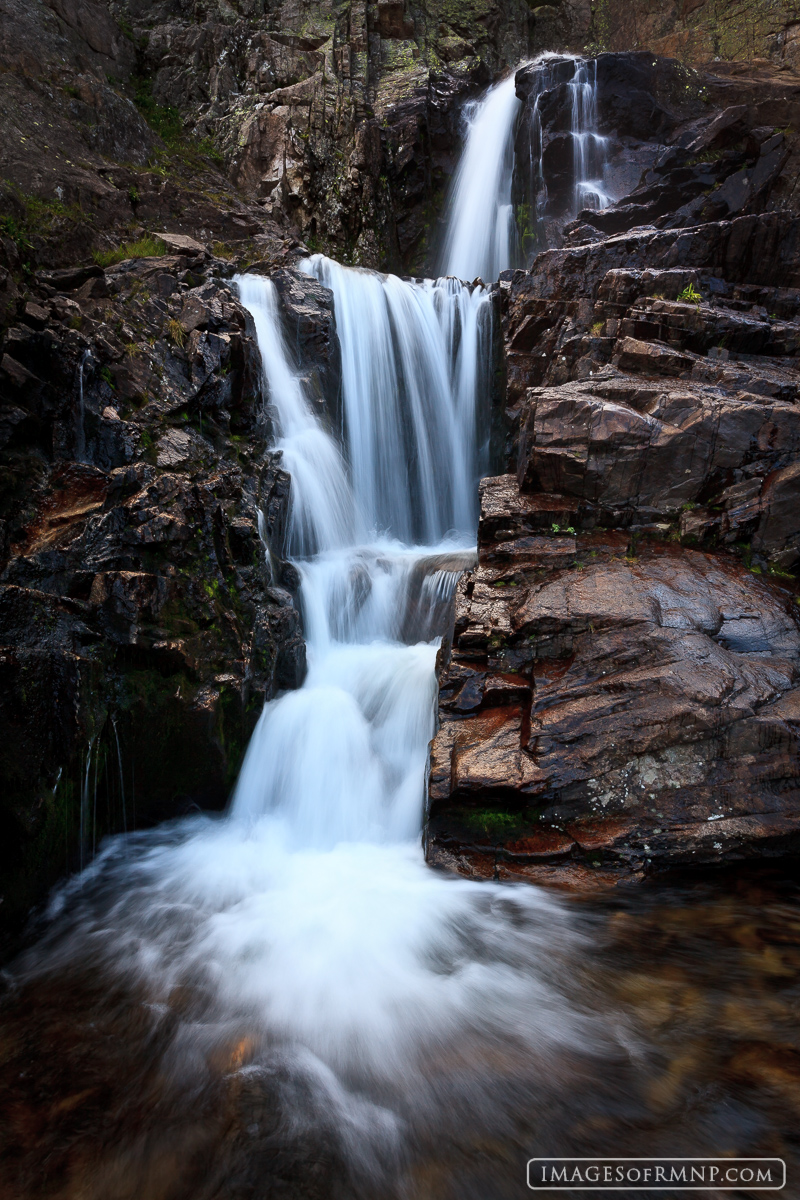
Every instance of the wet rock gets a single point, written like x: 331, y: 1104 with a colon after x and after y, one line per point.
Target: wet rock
x: 655, y: 704
x: 636, y: 582
x: 643, y: 452
x: 139, y: 631
x: 311, y: 336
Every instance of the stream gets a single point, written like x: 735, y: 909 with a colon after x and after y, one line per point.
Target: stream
x: 285, y: 1001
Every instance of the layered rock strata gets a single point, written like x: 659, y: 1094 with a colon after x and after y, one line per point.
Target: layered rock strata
x: 622, y: 691
x: 613, y: 703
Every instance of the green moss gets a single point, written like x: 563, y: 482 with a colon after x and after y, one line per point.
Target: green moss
x: 29, y: 217
x: 494, y: 822
x: 144, y: 247
x: 599, y: 27
x: 162, y: 119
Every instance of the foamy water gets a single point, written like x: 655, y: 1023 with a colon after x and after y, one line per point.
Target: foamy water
x: 306, y: 916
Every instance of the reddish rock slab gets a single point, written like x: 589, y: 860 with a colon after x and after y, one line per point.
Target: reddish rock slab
x: 662, y: 724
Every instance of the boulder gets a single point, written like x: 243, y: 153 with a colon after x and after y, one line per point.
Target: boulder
x: 181, y: 243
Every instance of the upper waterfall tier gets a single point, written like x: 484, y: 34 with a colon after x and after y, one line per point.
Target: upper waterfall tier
x: 516, y: 184
x: 481, y: 234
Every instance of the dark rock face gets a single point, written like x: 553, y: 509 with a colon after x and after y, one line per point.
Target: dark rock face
x: 609, y: 710
x: 141, y: 628
x: 552, y: 322
x: 633, y: 450
x: 89, y: 157
x: 622, y: 693
x: 668, y: 146
x: 311, y: 336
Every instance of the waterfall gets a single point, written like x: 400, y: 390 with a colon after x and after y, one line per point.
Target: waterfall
x: 500, y: 201
x: 481, y: 232
x: 415, y: 359
x: 344, y: 757
x: 395, y: 999
x: 545, y: 204
x: 323, y: 512
x: 588, y: 145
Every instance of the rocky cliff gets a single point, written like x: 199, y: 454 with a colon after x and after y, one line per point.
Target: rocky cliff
x: 623, y: 689
x: 249, y: 121
x: 240, y: 123
x: 145, y: 611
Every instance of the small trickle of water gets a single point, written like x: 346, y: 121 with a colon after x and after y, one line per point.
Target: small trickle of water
x: 588, y: 145
x: 83, y: 823
x: 80, y: 431
x: 540, y: 200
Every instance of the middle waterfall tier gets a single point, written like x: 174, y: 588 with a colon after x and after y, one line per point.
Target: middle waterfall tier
x: 381, y: 528
x: 416, y: 369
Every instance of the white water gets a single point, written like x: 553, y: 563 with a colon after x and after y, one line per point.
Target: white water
x: 482, y: 236
x: 307, y: 917
x: 588, y: 145
x: 323, y: 508
x: 415, y: 362
x: 481, y: 232
x: 343, y: 759
x: 80, y: 432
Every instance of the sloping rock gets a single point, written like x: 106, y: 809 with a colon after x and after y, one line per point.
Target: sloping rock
x: 640, y: 451
x: 622, y: 690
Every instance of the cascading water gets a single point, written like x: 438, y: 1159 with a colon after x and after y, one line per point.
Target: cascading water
x: 344, y: 758
x: 500, y: 202
x: 588, y: 144
x: 415, y: 372
x: 481, y: 231
x: 307, y: 921
x: 286, y: 1000
x: 323, y: 510
x: 572, y: 83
